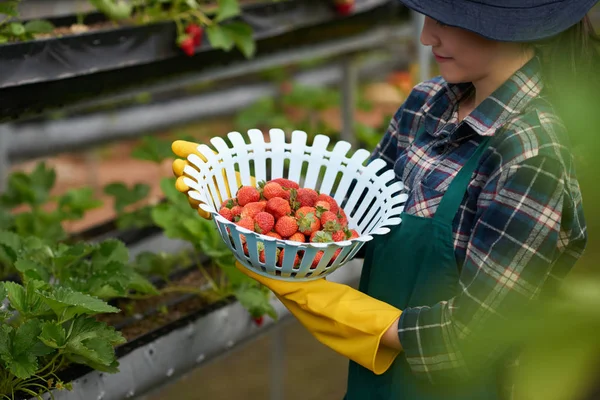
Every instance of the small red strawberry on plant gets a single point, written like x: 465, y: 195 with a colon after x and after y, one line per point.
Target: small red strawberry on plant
x: 344, y: 7
x: 186, y: 43
x: 195, y: 32
x: 258, y: 320
x: 247, y: 194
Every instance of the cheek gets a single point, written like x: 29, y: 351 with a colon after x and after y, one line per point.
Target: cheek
x: 467, y: 66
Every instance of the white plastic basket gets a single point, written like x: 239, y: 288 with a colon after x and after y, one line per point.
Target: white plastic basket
x: 372, y: 205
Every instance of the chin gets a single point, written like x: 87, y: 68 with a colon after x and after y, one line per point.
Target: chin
x: 453, y: 76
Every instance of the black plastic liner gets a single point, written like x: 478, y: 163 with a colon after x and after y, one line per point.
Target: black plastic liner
x: 51, y: 73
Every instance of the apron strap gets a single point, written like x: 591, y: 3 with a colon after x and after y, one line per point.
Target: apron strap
x: 453, y: 197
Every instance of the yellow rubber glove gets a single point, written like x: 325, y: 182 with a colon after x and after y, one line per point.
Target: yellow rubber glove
x: 342, y: 318
x: 183, y: 149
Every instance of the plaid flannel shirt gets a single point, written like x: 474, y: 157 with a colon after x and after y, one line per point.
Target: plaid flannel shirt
x: 520, y: 227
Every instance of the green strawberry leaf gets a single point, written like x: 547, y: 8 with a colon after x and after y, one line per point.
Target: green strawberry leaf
x: 136, y: 219
x: 111, y: 250
x: 26, y: 300
x: 242, y: 35
x: 142, y: 285
x: 255, y: 300
x: 76, y: 202
x: 53, y: 335
x: 32, y: 270
x: 25, y: 336
x: 6, y: 332
x: 67, y: 303
x: 32, y: 189
x: 39, y: 26
x: 23, y: 366
x: 125, y: 196
x: 220, y: 38
x: 10, y: 8
x: 91, y: 342
x: 153, y: 149
x: 227, y: 9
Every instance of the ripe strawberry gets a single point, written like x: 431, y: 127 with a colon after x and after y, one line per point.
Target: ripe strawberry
x: 226, y: 213
x: 316, y: 260
x: 236, y: 211
x: 286, y: 226
x: 187, y: 45
x: 261, y: 252
x: 305, y: 197
x: 328, y: 216
x: 322, y: 206
x: 321, y: 237
x: 275, y: 235
x: 297, y: 259
x: 353, y: 234
x: 333, y: 206
x: 285, y: 183
x: 247, y: 194
x: 274, y: 189
x: 298, y: 237
x: 246, y: 222
x: 245, y: 247
x: 258, y: 320
x: 251, y: 209
x: 308, y: 223
x: 278, y: 207
x: 339, y: 236
x: 335, y: 256
x: 264, y: 222
x: 229, y: 203
x: 344, y: 7
x: 195, y: 32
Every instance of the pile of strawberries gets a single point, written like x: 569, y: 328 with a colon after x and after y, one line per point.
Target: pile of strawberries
x: 280, y: 208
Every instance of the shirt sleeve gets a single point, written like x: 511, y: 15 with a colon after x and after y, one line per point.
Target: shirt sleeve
x: 529, y: 230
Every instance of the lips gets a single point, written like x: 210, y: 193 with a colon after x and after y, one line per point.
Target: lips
x: 439, y: 58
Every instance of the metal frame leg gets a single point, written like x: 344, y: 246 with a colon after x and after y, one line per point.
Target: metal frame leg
x: 277, y: 374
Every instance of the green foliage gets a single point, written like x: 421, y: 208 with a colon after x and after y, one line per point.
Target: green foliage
x: 558, y: 339
x: 54, y: 324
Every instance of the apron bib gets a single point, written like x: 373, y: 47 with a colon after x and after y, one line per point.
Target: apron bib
x: 415, y: 265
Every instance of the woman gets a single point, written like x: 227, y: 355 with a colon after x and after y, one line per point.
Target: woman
x: 494, y: 217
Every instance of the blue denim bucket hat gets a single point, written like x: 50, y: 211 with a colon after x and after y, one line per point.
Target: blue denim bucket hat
x: 506, y: 20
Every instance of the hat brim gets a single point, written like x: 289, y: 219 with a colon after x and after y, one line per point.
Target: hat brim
x: 507, y: 24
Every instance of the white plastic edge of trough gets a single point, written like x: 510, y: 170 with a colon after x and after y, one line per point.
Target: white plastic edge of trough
x: 170, y: 356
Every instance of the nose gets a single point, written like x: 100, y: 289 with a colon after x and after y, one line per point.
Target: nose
x: 429, y: 34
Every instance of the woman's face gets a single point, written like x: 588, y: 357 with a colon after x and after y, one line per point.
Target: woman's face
x: 464, y: 56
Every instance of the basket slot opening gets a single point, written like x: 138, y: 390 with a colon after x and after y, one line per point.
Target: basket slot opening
x: 303, y: 172
x: 336, y: 183
x: 269, y: 164
x: 322, y: 172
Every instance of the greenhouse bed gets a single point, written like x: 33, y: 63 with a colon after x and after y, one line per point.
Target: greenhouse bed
x: 71, y: 68
x: 178, y: 348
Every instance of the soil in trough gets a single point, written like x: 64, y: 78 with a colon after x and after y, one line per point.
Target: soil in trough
x: 141, y: 316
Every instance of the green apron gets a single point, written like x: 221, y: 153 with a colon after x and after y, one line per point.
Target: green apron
x: 415, y: 265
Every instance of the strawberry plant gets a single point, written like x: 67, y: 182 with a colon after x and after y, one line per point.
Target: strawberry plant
x: 98, y: 269
x: 42, y: 328
x: 27, y: 207
x: 12, y: 31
